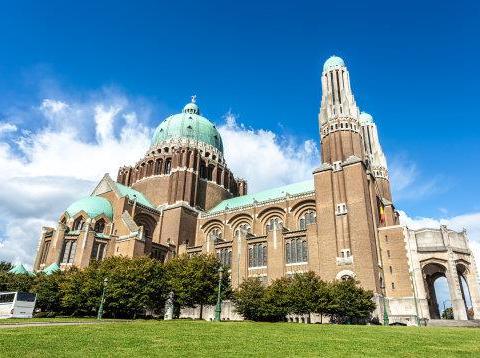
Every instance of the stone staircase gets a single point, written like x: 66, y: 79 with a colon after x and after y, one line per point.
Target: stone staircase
x: 453, y: 323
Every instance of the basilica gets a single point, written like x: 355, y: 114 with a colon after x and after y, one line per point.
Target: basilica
x: 182, y: 197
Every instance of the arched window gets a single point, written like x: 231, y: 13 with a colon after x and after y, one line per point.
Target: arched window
x: 98, y: 251
x: 168, y: 166
x: 211, y: 167
x: 158, y: 166
x: 203, y: 170
x: 78, y: 223
x: 309, y: 217
x: 69, y: 249
x: 243, y: 228
x: 257, y: 255
x: 274, y: 224
x: 225, y: 256
x: 99, y: 226
x: 215, y: 235
x: 296, y: 250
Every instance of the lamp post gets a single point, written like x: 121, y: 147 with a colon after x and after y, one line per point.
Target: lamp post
x: 218, y: 307
x: 385, y: 313
x: 100, y: 309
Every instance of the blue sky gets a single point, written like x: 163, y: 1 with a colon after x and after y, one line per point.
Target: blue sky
x: 413, y: 67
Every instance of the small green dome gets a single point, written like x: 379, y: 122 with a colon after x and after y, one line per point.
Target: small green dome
x: 93, y: 206
x: 332, y: 62
x: 188, y: 125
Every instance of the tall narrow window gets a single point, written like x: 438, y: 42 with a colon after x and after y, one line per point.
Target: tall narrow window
x: 225, y: 256
x: 257, y: 255
x: 78, y: 223
x: 44, y: 255
x: 308, y: 218
x: 296, y: 250
x: 98, y: 251
x: 69, y: 249
x: 168, y: 166
x: 99, y: 226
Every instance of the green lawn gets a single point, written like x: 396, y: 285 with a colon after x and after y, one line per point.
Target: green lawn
x: 226, y: 339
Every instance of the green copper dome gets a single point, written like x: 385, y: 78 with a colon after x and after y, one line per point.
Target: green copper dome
x: 188, y: 125
x: 365, y: 118
x: 93, y: 206
x: 332, y: 62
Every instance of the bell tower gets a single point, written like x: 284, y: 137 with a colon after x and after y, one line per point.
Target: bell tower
x: 344, y: 188
x: 338, y: 117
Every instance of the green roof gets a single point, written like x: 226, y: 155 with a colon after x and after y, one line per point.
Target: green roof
x: 93, y: 206
x: 263, y: 196
x: 51, y: 269
x: 132, y: 193
x: 19, y: 269
x: 333, y: 62
x: 188, y: 125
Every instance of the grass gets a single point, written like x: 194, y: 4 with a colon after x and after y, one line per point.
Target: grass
x: 227, y: 339
x: 45, y: 320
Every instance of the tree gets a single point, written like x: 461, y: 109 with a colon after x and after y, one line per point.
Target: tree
x: 194, y: 280
x: 16, y: 282
x: 447, y: 313
x: 350, y: 303
x: 47, y: 288
x: 5, y: 266
x: 249, y: 299
x: 277, y: 301
x: 134, y: 286
x: 305, y: 293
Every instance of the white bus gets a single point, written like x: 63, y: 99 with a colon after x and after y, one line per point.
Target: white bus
x: 17, y: 304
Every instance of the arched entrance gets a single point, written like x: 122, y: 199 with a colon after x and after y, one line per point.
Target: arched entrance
x: 462, y: 272
x: 431, y: 273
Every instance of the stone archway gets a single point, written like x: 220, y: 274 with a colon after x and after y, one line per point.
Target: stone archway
x: 462, y: 272
x: 432, y: 272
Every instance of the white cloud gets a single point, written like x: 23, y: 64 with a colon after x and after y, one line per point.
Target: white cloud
x: 470, y: 222
x: 6, y: 127
x: 263, y: 158
x: 45, y: 170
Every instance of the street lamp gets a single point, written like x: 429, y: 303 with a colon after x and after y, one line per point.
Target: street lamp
x: 218, y: 307
x: 385, y: 313
x: 100, y: 309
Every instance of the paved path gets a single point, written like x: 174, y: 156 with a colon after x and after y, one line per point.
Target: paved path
x: 42, y: 324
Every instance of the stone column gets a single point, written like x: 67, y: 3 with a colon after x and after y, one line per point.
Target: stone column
x: 458, y: 304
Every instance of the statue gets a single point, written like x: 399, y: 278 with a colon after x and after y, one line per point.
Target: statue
x: 169, y: 307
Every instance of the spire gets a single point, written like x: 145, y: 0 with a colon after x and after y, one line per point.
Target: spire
x: 373, y: 149
x: 337, y: 96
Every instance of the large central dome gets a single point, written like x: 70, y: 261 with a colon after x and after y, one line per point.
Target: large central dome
x: 188, y: 125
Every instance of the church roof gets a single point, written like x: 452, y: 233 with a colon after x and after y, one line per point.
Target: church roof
x: 132, y: 193
x: 19, y: 269
x: 188, y: 125
x: 264, y: 196
x: 51, y: 269
x: 93, y: 206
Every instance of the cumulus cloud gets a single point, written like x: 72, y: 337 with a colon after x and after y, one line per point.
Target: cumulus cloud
x: 470, y: 222
x: 44, y: 170
x: 6, y: 127
x: 265, y: 159
x: 78, y: 141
